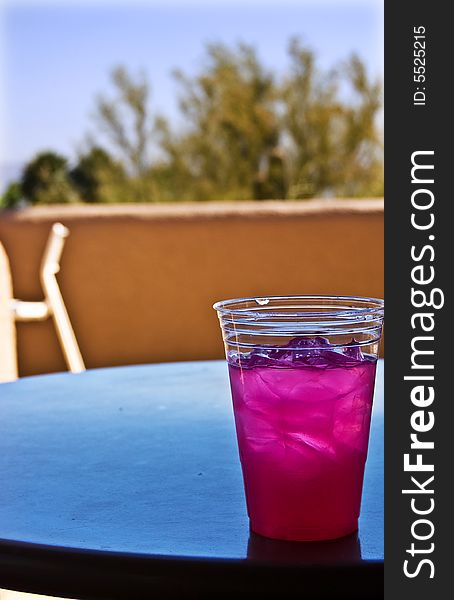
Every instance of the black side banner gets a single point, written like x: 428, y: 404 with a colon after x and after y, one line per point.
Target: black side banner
x: 419, y: 424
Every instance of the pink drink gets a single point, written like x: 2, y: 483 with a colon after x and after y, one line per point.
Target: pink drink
x: 302, y: 417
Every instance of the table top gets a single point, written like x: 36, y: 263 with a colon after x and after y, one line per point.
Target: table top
x: 137, y: 468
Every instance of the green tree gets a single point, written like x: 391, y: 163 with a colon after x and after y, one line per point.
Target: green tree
x: 126, y: 121
x: 45, y: 180
x: 12, y: 196
x: 329, y: 120
x: 271, y: 182
x: 231, y: 126
x: 245, y: 135
x: 99, y: 178
x: 362, y: 140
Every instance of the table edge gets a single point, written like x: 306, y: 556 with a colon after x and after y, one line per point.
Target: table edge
x: 99, y: 574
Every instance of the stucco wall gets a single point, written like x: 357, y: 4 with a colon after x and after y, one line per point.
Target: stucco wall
x: 139, y: 281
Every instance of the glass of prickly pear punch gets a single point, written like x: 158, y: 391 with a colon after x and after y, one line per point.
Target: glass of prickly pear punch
x: 302, y: 372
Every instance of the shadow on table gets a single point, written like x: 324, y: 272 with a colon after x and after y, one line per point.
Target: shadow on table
x: 342, y: 550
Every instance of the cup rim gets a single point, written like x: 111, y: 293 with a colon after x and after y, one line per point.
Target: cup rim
x: 224, y: 307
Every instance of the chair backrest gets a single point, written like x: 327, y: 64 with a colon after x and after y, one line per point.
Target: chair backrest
x: 8, y: 357
x: 53, y: 306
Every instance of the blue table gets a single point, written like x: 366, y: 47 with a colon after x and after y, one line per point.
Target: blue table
x: 126, y: 481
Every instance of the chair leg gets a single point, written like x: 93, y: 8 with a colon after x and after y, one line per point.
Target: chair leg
x: 49, y: 268
x: 8, y: 353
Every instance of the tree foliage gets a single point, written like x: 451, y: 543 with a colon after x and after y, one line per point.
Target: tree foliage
x: 246, y: 135
x: 12, y: 196
x: 232, y: 125
x: 330, y: 118
x: 97, y: 177
x: 249, y: 136
x: 45, y: 180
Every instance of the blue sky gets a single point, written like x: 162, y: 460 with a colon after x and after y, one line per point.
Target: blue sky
x: 57, y: 56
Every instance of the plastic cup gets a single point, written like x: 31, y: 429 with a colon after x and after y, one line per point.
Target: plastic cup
x: 302, y: 372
